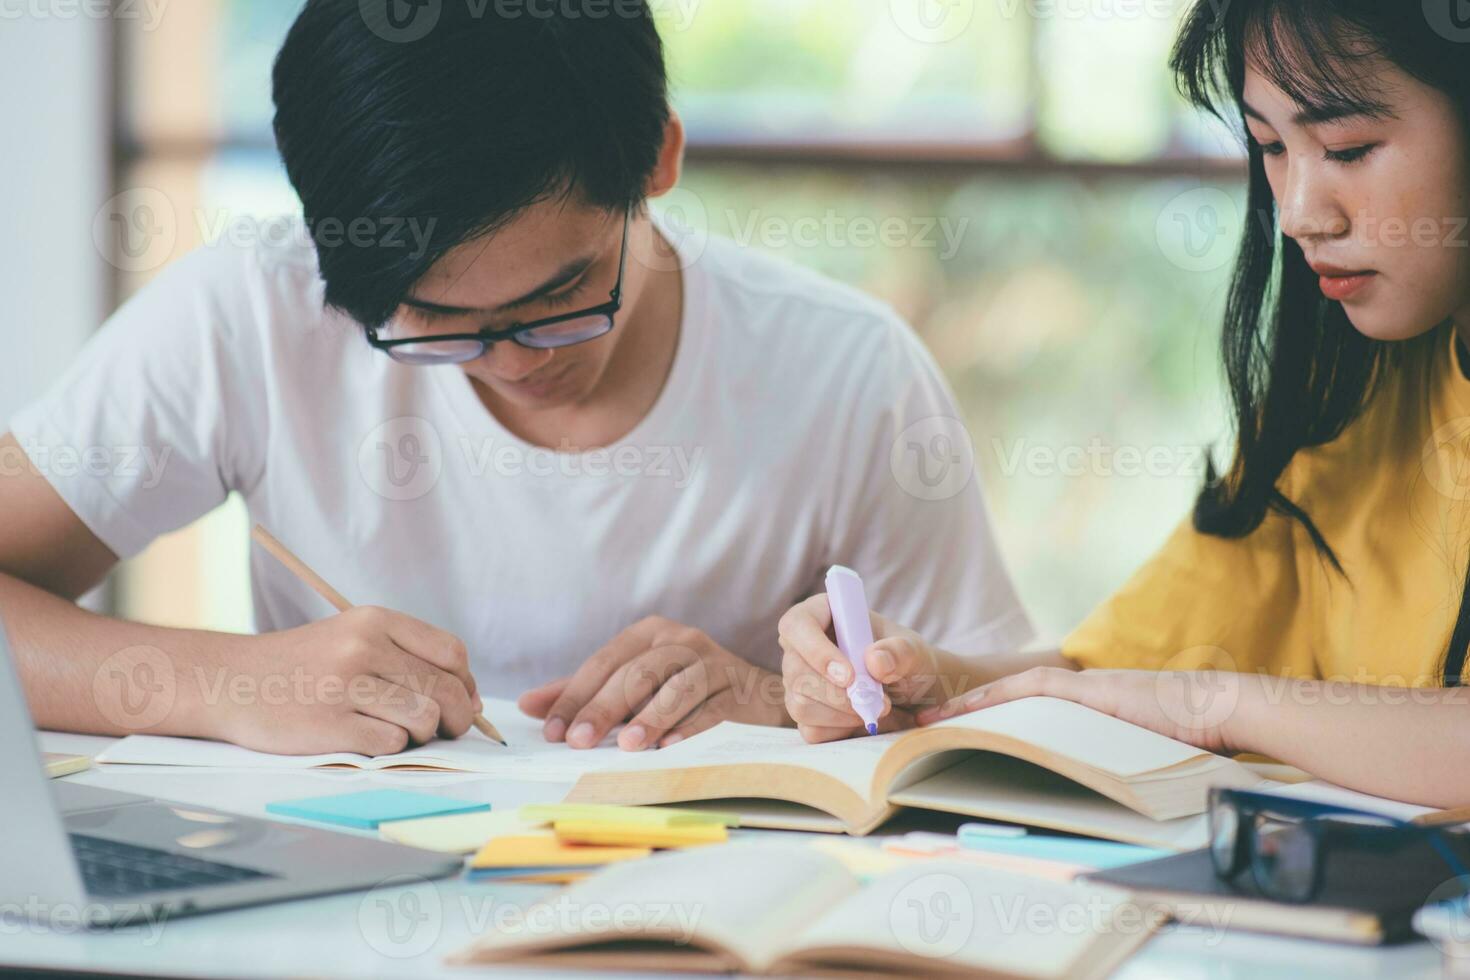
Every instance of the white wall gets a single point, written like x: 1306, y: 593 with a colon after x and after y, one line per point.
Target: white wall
x: 54, y: 176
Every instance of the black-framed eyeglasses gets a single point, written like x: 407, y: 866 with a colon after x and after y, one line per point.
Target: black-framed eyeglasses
x: 564, y: 330
x: 1286, y: 842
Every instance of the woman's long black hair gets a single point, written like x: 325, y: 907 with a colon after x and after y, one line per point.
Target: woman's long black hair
x: 1299, y: 373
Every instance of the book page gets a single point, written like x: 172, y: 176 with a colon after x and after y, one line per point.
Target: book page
x: 998, y: 787
x: 961, y: 919
x: 853, y: 762
x: 750, y: 898
x: 1072, y: 731
x: 1323, y: 792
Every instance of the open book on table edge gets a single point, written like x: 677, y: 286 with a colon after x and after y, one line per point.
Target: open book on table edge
x: 789, y: 909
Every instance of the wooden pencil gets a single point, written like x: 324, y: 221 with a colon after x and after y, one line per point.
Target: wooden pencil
x: 304, y: 572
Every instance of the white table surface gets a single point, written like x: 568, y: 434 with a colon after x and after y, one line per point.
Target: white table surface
x: 408, y: 931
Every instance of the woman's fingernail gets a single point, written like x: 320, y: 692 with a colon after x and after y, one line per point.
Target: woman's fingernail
x: 581, y: 735
x: 975, y: 698
x: 479, y: 704
x: 837, y: 672
x: 885, y: 663
x: 633, y: 737
x: 671, y: 739
x: 554, y: 730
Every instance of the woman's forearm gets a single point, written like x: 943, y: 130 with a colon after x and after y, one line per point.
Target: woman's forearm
x: 959, y: 673
x: 1410, y: 744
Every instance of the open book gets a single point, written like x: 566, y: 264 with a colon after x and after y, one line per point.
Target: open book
x: 1040, y: 761
x: 787, y: 909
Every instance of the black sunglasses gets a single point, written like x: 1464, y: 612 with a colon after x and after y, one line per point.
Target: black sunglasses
x: 550, y: 333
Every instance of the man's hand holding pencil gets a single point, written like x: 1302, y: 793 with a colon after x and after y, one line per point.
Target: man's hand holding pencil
x: 367, y: 680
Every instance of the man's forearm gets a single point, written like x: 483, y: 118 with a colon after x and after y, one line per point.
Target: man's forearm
x: 98, y: 675
x: 1407, y: 744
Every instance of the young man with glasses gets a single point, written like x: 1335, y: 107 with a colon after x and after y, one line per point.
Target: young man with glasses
x: 600, y: 458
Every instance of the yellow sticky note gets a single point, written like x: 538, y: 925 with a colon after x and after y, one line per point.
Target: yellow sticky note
x: 863, y: 860
x: 542, y: 814
x: 59, y: 764
x: 546, y: 851
x: 626, y: 835
x: 460, y: 833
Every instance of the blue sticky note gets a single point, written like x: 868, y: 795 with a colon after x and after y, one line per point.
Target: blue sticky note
x: 494, y: 874
x: 368, y: 809
x: 1068, y: 850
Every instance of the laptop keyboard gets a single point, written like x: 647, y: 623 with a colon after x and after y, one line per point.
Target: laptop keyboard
x: 110, y: 869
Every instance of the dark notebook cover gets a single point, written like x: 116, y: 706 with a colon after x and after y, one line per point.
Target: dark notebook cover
x: 1367, y: 896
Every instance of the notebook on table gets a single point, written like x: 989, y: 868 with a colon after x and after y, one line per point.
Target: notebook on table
x: 1367, y: 897
x: 528, y: 756
x: 793, y: 910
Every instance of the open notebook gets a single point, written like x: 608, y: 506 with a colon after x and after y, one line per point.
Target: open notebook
x: 792, y: 910
x: 1040, y: 761
x: 528, y: 757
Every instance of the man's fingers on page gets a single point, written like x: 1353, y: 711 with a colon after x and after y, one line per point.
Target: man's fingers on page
x: 633, y: 684
x: 685, y: 697
x: 651, y: 684
x: 710, y: 714
x: 373, y: 736
x: 803, y: 630
x: 538, y: 701
x: 591, y: 678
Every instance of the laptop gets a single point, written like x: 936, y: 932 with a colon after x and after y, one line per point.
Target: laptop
x: 79, y: 853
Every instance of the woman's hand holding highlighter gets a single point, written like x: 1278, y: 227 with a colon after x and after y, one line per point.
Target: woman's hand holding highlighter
x: 920, y: 683
x: 817, y: 674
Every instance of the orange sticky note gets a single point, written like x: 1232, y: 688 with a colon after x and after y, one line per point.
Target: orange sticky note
x: 628, y: 835
x: 545, y: 851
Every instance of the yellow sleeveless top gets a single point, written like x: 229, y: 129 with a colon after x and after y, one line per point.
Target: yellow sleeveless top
x: 1392, y: 498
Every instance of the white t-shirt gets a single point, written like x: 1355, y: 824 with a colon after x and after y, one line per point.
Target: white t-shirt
x: 802, y: 425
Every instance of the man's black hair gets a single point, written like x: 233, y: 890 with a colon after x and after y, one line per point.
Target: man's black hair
x: 458, y: 115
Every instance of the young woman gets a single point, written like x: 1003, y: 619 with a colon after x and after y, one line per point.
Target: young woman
x: 1316, y: 609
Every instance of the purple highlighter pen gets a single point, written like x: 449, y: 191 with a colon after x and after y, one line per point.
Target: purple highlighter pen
x: 854, y: 635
